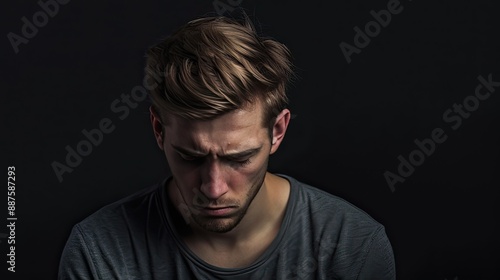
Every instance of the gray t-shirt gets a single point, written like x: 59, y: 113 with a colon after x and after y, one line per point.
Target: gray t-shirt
x: 321, y: 237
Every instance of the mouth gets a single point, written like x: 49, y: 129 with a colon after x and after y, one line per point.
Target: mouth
x: 217, y: 211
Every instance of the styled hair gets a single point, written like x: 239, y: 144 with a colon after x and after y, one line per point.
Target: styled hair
x: 214, y: 65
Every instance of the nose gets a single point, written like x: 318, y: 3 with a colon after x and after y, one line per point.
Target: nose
x: 214, y: 183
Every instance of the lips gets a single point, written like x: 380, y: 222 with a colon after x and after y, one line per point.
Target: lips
x: 217, y: 211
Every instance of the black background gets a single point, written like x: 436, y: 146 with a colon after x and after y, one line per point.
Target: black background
x: 352, y: 120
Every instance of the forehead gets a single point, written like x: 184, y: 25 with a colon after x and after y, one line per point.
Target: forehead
x: 239, y: 129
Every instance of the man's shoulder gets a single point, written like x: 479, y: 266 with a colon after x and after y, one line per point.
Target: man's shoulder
x: 325, y: 206
x: 354, y: 243
x: 122, y: 211
x: 118, y: 240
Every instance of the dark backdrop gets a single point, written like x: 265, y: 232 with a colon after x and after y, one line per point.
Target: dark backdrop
x: 65, y: 68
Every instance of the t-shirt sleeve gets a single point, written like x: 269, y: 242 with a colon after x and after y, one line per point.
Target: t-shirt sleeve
x: 76, y: 261
x: 379, y: 260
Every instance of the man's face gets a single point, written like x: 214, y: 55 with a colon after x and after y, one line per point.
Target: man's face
x: 218, y: 166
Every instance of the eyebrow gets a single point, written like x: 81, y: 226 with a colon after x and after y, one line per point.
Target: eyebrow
x: 235, y: 155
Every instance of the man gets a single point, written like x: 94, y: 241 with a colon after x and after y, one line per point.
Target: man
x: 218, y: 112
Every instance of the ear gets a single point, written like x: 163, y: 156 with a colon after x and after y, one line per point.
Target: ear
x: 157, y: 127
x: 279, y: 129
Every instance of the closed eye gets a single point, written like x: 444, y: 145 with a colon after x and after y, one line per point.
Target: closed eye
x: 243, y: 162
x: 189, y: 157
x: 238, y: 161
x: 196, y: 159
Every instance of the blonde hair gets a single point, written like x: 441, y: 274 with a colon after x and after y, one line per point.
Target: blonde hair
x: 214, y: 65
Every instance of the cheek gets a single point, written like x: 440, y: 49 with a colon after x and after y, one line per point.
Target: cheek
x: 187, y: 180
